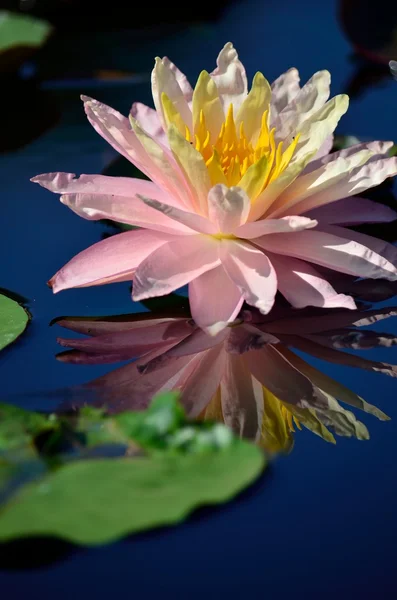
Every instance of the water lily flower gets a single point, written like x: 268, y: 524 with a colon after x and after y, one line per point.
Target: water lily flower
x: 247, y: 375
x: 243, y: 197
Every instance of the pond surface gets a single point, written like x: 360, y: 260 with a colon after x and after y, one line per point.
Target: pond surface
x: 322, y: 522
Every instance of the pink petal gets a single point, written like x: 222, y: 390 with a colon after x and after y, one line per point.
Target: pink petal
x: 340, y: 358
x: 138, y: 390
x: 136, y: 341
x: 157, y: 164
x: 332, y: 251
x: 76, y: 357
x: 96, y: 197
x: 124, y: 210
x: 301, y: 192
x: 303, y: 286
x: 149, y: 120
x: 196, y: 343
x: 127, y: 187
x: 242, y: 399
x: 230, y: 78
x: 215, y: 300
x: 352, y: 211
x: 198, y: 388
x: 115, y: 129
x: 175, y: 265
x: 382, y: 248
x: 110, y: 260
x: 96, y: 326
x: 380, y: 148
x: 243, y: 338
x: 228, y: 208
x: 356, y: 181
x: 190, y: 220
x: 309, y: 99
x: 279, y: 376
x: 266, y: 226
x: 335, y: 319
x: 251, y: 271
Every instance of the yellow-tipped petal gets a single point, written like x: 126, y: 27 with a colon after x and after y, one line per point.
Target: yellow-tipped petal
x: 253, y: 107
x: 308, y: 418
x: 253, y: 180
x: 213, y: 411
x: 276, y: 433
x: 172, y: 116
x: 193, y: 166
x: 206, y: 101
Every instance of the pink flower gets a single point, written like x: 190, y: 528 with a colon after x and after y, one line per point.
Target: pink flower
x: 243, y: 199
x: 246, y: 375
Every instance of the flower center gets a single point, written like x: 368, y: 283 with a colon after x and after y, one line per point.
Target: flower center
x: 233, y: 153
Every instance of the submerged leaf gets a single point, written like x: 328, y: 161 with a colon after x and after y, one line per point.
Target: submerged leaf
x: 19, y: 427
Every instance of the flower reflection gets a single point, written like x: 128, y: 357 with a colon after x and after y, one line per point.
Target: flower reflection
x: 247, y: 375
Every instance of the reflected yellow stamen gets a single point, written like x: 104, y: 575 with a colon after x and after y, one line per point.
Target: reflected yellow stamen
x: 290, y: 419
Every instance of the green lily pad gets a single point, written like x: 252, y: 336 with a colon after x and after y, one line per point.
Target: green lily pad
x: 13, y: 320
x: 98, y: 501
x: 21, y: 30
x: 164, y: 467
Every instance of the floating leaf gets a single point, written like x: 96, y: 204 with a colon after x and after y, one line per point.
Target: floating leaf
x: 164, y: 467
x: 22, y: 30
x: 13, y: 320
x: 98, y: 501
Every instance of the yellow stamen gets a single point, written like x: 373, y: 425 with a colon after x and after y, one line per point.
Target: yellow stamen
x: 228, y: 152
x: 233, y: 153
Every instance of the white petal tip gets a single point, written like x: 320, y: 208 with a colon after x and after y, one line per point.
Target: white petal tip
x: 213, y: 330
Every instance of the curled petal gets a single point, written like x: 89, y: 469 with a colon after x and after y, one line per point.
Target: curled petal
x: 230, y: 78
x: 228, y: 208
x: 252, y: 272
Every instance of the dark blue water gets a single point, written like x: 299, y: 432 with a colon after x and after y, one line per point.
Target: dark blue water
x: 323, y: 522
